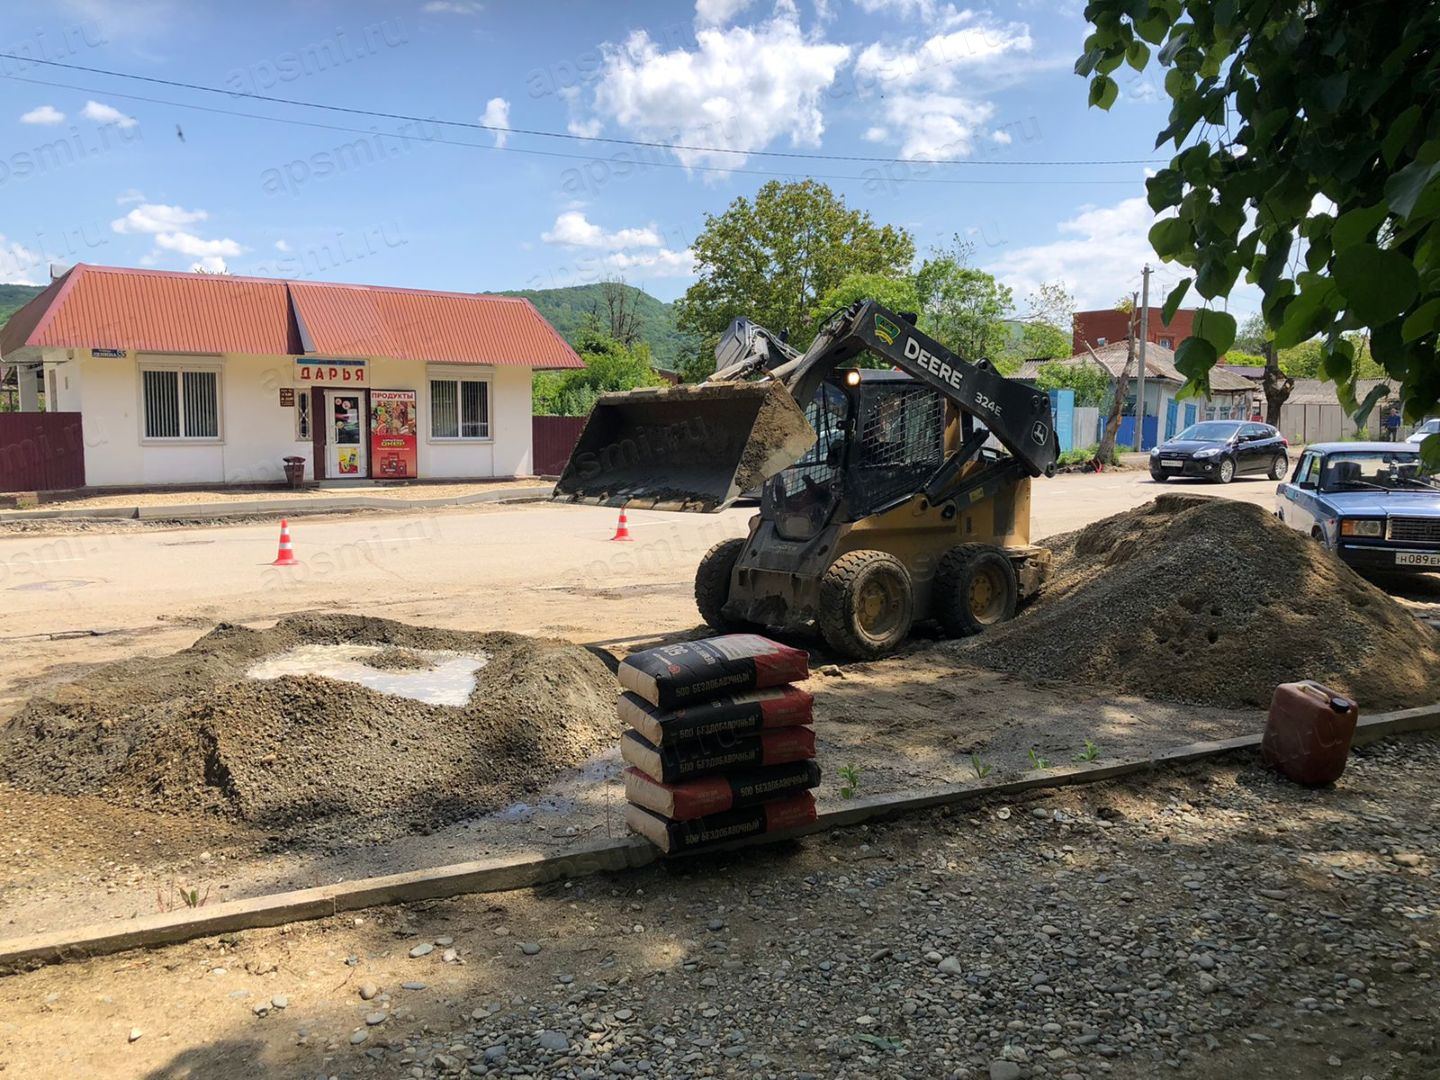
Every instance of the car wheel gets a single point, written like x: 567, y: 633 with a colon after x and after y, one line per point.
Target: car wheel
x: 1318, y: 535
x: 1279, y: 467
x: 712, y: 583
x: 1225, y: 471
x: 975, y: 587
x: 867, y: 604
x: 1158, y: 477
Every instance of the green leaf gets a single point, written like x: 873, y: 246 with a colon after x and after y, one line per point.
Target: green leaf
x: 1216, y: 327
x: 1423, y: 320
x: 1377, y: 283
x: 1137, y: 54
x: 1086, y: 64
x: 1195, y: 358
x: 1165, y: 189
x: 1173, y: 301
x: 1179, y: 38
x: 1355, y: 226
x: 1103, y: 91
x: 1372, y: 399
x: 1154, y: 28
x: 1169, y: 236
x: 1399, y: 134
x: 1430, y: 453
x: 1305, y: 316
x: 1404, y: 188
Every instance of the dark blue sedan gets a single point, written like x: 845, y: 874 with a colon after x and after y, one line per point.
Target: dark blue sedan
x: 1372, y: 504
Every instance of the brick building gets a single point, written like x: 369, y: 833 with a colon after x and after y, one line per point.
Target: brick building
x: 1110, y: 325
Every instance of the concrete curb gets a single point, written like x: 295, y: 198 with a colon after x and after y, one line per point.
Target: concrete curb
x: 291, y: 508
x: 525, y: 871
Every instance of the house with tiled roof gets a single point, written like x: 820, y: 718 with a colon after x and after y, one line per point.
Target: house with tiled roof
x: 1232, y: 397
x: 211, y: 379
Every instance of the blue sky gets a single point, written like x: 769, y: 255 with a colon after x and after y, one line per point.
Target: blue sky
x: 89, y: 172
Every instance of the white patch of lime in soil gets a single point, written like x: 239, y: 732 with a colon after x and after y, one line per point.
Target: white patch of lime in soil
x: 448, y: 678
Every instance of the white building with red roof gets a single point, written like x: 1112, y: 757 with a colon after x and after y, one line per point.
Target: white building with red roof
x: 210, y: 379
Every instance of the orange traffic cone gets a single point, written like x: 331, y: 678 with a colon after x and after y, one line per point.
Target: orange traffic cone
x: 287, y: 553
x: 622, y: 530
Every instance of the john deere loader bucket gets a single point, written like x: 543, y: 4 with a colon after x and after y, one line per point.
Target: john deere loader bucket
x: 694, y: 448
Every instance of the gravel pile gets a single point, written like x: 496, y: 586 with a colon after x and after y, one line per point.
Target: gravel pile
x: 1208, y: 923
x: 1210, y: 601
x: 190, y: 733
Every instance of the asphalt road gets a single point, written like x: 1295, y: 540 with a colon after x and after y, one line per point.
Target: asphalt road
x: 537, y: 569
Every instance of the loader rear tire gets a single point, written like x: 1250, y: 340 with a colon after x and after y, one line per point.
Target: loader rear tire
x: 712, y: 583
x: 975, y: 587
x: 866, y: 604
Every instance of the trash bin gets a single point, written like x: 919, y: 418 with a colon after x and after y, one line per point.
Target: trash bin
x: 295, y: 472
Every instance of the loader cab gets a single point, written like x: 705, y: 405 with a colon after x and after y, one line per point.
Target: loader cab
x: 879, y: 436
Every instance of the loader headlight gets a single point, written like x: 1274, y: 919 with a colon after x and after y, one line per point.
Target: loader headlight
x: 852, y: 378
x: 1352, y: 527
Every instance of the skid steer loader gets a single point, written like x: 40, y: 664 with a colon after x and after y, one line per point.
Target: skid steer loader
x: 885, y: 498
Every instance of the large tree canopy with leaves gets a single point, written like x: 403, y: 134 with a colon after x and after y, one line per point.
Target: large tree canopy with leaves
x: 1307, y: 140
x: 774, y: 258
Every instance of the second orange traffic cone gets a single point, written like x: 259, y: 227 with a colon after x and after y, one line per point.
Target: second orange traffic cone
x: 287, y: 552
x: 622, y: 529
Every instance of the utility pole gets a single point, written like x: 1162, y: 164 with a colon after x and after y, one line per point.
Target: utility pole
x: 1144, y: 334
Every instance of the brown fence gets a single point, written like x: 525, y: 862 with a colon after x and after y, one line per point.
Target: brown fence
x: 41, y: 451
x: 554, y: 437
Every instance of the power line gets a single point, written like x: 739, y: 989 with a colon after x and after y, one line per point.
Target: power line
x: 540, y: 133
x: 561, y: 154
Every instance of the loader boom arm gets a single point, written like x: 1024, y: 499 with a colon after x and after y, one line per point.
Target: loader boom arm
x: 1016, y: 414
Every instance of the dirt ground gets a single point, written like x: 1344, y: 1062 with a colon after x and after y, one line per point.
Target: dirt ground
x: 232, y: 497
x: 1206, y: 923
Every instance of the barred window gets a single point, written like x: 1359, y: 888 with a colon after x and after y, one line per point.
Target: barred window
x: 302, y: 415
x: 459, y: 409
x: 181, y: 403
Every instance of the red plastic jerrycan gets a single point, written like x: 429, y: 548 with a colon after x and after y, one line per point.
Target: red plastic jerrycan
x: 1308, y: 732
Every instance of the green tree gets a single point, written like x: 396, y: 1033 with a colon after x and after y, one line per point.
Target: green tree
x: 1045, y: 332
x: 1307, y: 142
x: 1091, y: 382
x: 609, y: 366
x: 964, y: 308
x: 1307, y: 360
x: 895, y: 292
x: 1251, y: 337
x: 774, y: 258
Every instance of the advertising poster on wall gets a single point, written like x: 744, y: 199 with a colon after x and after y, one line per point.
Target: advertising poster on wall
x: 392, y: 434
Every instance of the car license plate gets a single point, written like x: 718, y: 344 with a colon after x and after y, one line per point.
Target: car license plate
x: 1172, y: 463
x: 1417, y: 558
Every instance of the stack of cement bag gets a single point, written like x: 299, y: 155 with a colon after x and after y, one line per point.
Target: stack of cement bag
x: 720, y: 746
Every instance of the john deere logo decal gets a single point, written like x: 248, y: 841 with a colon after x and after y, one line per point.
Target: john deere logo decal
x: 886, y: 330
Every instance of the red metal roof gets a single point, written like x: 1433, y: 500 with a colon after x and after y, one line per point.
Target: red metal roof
x: 103, y: 307
x: 411, y: 324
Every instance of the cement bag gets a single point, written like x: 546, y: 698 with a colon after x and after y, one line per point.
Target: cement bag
x: 699, y: 757
x: 674, y: 675
x: 738, y: 714
x: 674, y: 837
x: 715, y: 794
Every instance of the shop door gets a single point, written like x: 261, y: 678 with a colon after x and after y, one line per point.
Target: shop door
x: 345, y: 449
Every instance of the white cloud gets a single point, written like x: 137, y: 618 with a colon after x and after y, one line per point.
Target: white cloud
x: 740, y: 88
x: 573, y: 229
x: 18, y: 263
x: 107, y: 114
x: 282, y: 245
x: 1098, y: 256
x: 156, y: 218
x: 718, y: 12
x: 189, y: 244
x: 43, y: 114
x: 661, y: 263
x: 210, y: 264
x: 452, y: 7
x: 1001, y: 137
x: 929, y: 12
x: 131, y: 195
x: 927, y: 90
x: 497, y: 115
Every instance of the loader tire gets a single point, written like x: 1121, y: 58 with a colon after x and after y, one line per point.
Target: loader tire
x: 712, y: 583
x: 975, y: 587
x: 866, y: 606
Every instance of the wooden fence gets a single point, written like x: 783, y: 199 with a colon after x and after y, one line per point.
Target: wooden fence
x: 41, y: 451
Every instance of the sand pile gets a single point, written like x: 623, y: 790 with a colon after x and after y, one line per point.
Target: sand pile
x: 1209, y: 601
x: 192, y: 733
